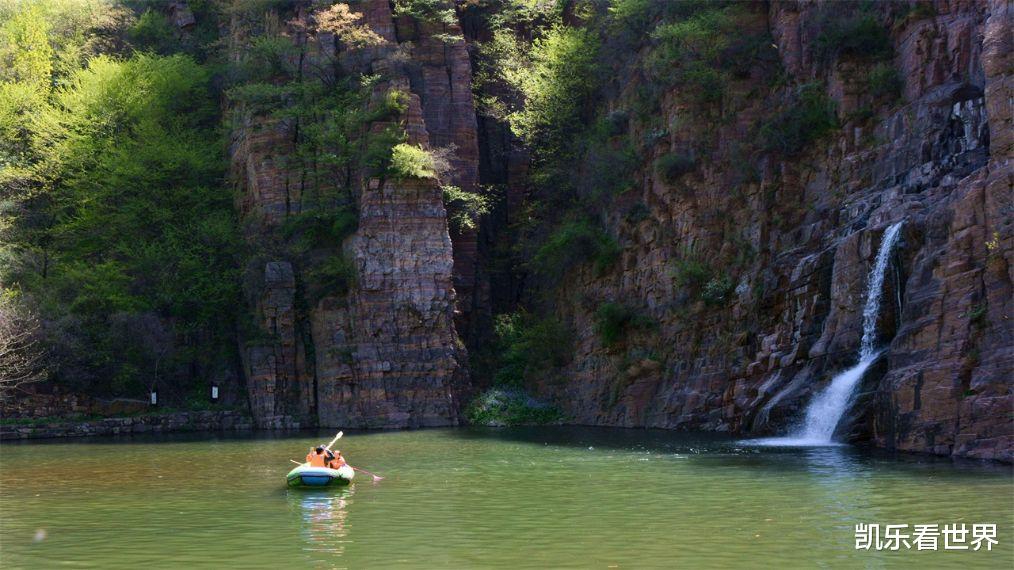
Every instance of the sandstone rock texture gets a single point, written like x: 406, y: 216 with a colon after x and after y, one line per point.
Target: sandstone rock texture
x: 386, y: 354
x: 795, y: 237
x: 798, y: 237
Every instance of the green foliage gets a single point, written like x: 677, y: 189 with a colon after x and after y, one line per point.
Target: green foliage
x: 608, y: 171
x: 26, y: 56
x: 557, y: 88
x: 152, y: 32
x: 695, y: 275
x: 464, y: 208
x: 858, y: 35
x: 380, y: 149
x: 632, y: 15
x: 25, y: 74
x: 691, y: 272
x: 717, y: 290
x: 408, y: 161
x: 613, y: 321
x: 807, y: 119
x: 331, y: 118
x: 439, y: 11
x: 674, y: 165
x: 528, y: 348
x: 334, y: 277
x: 884, y: 82
x: 979, y: 315
x: 321, y: 228
x: 395, y: 105
x: 572, y: 243
x: 510, y: 407
x: 699, y: 53
x: 266, y: 59
x: 131, y: 244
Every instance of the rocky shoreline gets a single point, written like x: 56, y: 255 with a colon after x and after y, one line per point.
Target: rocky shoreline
x: 225, y: 420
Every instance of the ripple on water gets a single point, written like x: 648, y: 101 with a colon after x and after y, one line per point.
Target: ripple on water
x: 466, y: 498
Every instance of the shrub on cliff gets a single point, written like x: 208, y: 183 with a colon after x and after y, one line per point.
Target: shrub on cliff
x: 857, y: 35
x: 464, y: 208
x: 440, y: 11
x: 153, y: 32
x: 717, y: 290
x: 613, y: 321
x: 810, y: 116
x: 409, y: 161
x: 321, y: 228
x: 572, y: 243
x: 557, y: 89
x: 528, y: 348
x: 705, y: 47
x: 674, y: 165
x: 334, y: 277
x: 691, y: 272
x: 884, y: 82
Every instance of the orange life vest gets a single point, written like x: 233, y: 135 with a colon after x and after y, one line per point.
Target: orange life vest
x: 315, y: 459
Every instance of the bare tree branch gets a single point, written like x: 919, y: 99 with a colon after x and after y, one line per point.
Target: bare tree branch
x: 22, y: 355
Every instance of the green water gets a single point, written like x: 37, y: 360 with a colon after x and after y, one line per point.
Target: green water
x: 477, y: 498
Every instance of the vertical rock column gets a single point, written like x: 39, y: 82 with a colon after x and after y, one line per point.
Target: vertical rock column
x: 279, y: 387
x: 446, y: 96
x: 390, y: 356
x: 270, y: 363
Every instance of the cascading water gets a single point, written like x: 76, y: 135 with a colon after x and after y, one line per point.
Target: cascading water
x: 827, y: 408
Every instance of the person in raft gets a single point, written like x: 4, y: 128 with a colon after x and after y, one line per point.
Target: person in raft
x: 317, y: 457
x: 324, y: 457
x: 335, y: 459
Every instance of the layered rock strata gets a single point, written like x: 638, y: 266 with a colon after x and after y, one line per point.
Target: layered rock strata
x: 387, y: 353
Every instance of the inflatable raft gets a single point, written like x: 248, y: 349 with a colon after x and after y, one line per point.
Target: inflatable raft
x: 306, y: 476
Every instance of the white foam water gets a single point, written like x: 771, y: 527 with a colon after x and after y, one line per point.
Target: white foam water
x: 827, y: 408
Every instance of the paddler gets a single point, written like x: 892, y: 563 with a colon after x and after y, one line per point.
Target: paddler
x: 317, y: 457
x: 335, y: 459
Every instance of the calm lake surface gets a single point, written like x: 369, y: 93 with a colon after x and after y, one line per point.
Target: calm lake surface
x: 475, y: 498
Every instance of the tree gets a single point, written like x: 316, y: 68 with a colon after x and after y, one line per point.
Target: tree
x: 344, y: 24
x: 22, y: 357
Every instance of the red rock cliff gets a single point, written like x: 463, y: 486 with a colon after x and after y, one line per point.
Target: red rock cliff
x: 387, y: 353
x: 804, y: 231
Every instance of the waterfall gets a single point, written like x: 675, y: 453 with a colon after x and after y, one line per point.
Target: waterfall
x: 827, y: 408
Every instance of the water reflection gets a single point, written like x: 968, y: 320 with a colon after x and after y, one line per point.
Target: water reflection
x: 487, y: 498
x: 323, y: 515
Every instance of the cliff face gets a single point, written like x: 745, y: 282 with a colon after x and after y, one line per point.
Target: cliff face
x: 803, y: 230
x: 812, y: 225
x: 386, y: 354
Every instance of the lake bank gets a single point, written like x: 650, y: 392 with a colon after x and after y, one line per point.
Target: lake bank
x: 169, y: 422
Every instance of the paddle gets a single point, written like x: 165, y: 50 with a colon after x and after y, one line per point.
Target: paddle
x: 328, y: 447
x: 374, y: 475
x: 336, y: 438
